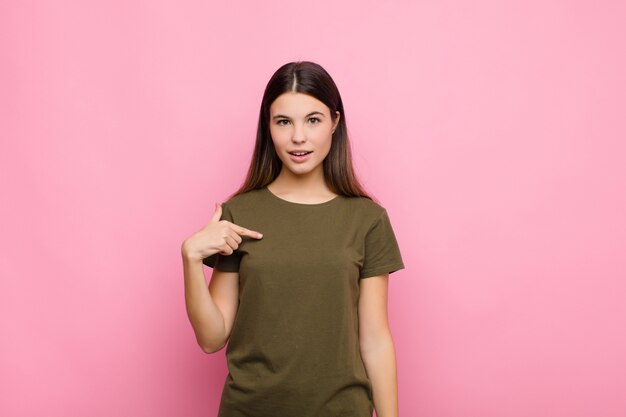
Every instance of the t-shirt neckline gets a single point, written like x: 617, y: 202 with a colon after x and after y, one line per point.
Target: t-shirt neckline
x: 292, y: 203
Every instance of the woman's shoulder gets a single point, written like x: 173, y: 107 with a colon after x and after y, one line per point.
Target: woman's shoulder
x: 365, y: 206
x: 243, y: 199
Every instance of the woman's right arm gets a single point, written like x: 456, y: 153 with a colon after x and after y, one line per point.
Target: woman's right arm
x: 211, y: 310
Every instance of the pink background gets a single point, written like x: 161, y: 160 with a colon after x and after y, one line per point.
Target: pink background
x: 493, y: 132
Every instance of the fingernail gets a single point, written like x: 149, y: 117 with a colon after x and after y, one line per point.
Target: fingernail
x: 260, y: 235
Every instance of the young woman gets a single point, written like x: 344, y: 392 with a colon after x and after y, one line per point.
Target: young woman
x: 301, y: 257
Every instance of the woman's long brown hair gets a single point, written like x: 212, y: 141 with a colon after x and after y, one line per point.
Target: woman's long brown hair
x: 308, y: 78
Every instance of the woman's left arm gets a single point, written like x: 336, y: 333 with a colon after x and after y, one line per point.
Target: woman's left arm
x: 377, y: 349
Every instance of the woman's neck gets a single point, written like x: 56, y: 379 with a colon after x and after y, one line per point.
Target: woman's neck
x: 307, y: 189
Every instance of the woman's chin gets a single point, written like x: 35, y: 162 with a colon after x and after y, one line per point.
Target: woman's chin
x: 299, y: 169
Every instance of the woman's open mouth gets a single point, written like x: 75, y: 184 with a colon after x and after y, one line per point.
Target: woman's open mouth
x: 300, y: 156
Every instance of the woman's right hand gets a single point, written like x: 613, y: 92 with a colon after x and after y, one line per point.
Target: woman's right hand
x: 218, y: 236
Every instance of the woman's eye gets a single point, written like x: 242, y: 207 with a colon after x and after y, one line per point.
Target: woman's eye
x: 284, y: 122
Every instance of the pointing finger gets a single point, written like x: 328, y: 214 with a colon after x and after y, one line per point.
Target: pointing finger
x: 247, y: 232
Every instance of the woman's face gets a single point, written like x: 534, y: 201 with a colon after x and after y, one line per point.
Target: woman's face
x: 301, y: 123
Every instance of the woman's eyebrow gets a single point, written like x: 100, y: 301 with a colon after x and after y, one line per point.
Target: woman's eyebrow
x: 287, y: 117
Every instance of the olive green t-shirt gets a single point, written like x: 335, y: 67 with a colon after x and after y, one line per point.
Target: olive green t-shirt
x: 294, y: 346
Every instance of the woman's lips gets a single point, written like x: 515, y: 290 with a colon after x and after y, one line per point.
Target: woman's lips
x: 300, y: 158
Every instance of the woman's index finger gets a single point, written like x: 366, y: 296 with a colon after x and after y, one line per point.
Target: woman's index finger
x: 247, y: 232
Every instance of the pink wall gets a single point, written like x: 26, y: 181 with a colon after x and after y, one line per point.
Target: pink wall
x: 492, y: 131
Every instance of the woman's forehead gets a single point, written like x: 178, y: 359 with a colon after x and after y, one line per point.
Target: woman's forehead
x: 297, y: 105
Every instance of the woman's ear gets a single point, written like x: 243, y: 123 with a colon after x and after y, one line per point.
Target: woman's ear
x: 336, y: 121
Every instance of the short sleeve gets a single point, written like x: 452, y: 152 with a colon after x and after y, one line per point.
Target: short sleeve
x: 225, y: 263
x: 382, y: 253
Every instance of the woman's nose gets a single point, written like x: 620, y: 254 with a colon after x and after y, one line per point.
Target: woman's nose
x: 298, y: 135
